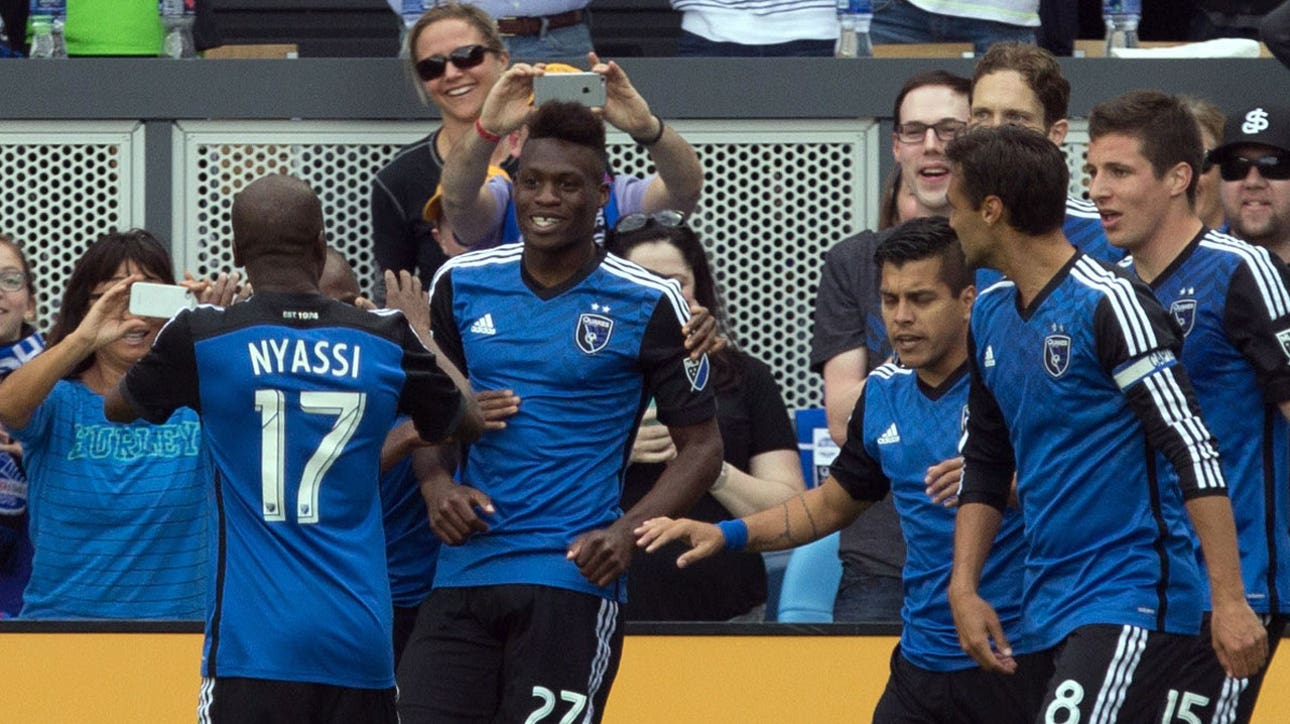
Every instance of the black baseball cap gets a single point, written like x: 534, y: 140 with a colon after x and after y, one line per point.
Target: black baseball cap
x: 1264, y: 125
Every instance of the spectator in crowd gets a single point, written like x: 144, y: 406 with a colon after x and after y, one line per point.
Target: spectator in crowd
x: 524, y: 615
x: 1021, y: 84
x: 120, y: 517
x: 1075, y: 390
x: 850, y: 339
x: 480, y: 206
x: 301, y: 548
x: 740, y: 28
x: 909, y: 417
x: 1209, y: 201
x: 1254, y: 163
x: 19, y: 342
x: 456, y: 54
x: 1231, y: 302
x: 761, y: 468
x: 981, y: 22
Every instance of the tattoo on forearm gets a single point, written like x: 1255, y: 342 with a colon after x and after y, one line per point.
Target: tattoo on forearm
x: 786, y: 534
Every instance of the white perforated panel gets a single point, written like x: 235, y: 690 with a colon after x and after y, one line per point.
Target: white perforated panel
x: 68, y: 183
x: 1076, y: 149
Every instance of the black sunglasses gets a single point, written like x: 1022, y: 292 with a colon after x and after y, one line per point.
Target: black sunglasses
x: 667, y: 218
x: 1274, y: 167
x: 467, y: 56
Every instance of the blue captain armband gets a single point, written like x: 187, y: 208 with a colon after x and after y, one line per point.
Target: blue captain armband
x: 1136, y: 370
x: 736, y: 533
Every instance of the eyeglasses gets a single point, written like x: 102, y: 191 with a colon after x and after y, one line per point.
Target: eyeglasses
x: 1274, y: 167
x: 467, y: 56
x: 915, y: 132
x: 12, y: 281
x: 667, y: 218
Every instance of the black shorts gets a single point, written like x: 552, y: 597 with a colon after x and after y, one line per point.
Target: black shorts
x: 511, y: 653
x: 1208, y: 693
x: 1110, y: 673
x: 970, y: 696
x: 239, y: 700
x: 405, y: 619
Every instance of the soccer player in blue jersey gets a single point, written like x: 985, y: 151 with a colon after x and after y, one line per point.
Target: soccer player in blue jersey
x: 1075, y: 387
x: 909, y: 418
x: 523, y: 621
x: 1230, y: 300
x: 1022, y: 85
x: 296, y: 393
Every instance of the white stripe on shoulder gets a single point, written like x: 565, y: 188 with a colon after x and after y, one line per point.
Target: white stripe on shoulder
x: 887, y: 370
x: 503, y: 254
x: 1139, y: 335
x: 1271, y: 286
x: 638, y: 274
x: 1076, y: 206
x: 999, y: 286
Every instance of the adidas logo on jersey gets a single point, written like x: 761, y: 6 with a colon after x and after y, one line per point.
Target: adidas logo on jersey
x: 890, y: 437
x: 484, y: 325
x: 989, y: 357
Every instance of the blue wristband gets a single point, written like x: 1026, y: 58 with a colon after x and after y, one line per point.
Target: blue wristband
x: 736, y: 533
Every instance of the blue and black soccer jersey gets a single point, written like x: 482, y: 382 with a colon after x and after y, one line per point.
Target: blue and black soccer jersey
x: 1083, y: 228
x: 584, y: 356
x: 1075, y: 393
x: 900, y: 428
x: 1231, y: 300
x: 296, y: 394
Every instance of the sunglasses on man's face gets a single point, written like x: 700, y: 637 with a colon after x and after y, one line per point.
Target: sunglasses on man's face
x: 467, y: 56
x: 1273, y: 167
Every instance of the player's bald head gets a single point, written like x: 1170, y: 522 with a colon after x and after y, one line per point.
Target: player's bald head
x: 276, y: 215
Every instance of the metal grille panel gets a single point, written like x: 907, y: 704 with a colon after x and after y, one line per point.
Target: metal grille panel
x: 69, y: 182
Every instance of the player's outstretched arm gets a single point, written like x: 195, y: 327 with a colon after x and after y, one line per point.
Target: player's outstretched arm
x: 1239, y: 639
x: 980, y: 632
x: 807, y: 517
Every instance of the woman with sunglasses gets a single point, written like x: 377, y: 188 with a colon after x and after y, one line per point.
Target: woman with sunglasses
x: 19, y: 342
x: 761, y: 467
x: 120, y: 521
x: 456, y: 55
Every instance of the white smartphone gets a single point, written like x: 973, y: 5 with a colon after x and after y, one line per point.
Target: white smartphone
x: 159, y: 300
x: 585, y: 88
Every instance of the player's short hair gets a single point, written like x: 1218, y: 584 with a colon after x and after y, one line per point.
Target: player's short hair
x: 276, y: 216
x: 956, y: 83
x: 1021, y: 167
x: 926, y: 238
x: 571, y: 122
x: 1165, y: 129
x: 1037, y: 67
x: 99, y: 264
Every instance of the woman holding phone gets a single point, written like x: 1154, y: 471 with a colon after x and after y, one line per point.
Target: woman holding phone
x: 119, y: 513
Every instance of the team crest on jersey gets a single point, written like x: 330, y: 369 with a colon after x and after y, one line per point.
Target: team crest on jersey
x: 1057, y: 354
x: 1184, y: 310
x: 697, y: 371
x: 1284, y: 338
x: 593, y: 332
